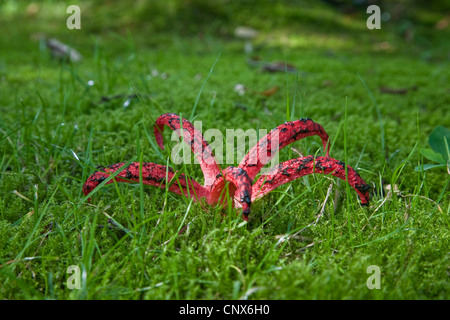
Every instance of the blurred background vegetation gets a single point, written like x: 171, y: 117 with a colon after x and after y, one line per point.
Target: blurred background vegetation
x: 422, y: 23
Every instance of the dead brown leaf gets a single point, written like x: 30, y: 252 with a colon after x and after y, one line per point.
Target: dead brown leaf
x: 398, y: 90
x: 269, y: 92
x: 279, y: 66
x: 443, y: 23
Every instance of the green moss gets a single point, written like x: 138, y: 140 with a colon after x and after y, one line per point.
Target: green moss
x: 55, y: 130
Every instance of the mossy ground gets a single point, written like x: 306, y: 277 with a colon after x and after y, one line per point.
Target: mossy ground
x: 55, y: 129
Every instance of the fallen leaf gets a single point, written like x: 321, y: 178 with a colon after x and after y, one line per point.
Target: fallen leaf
x: 32, y: 10
x: 443, y: 23
x: 397, y: 91
x: 279, y: 67
x: 276, y: 66
x: 62, y: 51
x: 383, y: 46
x: 269, y: 92
x: 107, y: 99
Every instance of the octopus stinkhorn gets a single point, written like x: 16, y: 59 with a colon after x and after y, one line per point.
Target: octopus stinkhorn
x: 237, y: 181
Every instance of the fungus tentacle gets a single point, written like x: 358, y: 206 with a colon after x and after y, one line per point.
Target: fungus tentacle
x: 237, y: 181
x: 194, y: 139
x: 239, y: 188
x: 283, y: 135
x: 295, y: 168
x: 152, y: 174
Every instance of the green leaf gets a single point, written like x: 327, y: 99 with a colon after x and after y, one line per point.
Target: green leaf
x: 429, y: 166
x: 437, y: 141
x: 433, y: 156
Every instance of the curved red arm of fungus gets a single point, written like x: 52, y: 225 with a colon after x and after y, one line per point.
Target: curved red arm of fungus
x: 152, y: 174
x: 299, y: 167
x: 287, y: 133
x: 239, y: 188
x: 192, y: 137
x: 236, y: 182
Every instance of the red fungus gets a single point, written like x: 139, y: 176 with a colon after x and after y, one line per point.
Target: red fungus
x: 299, y: 167
x: 194, y: 138
x: 279, y: 138
x: 238, y: 182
